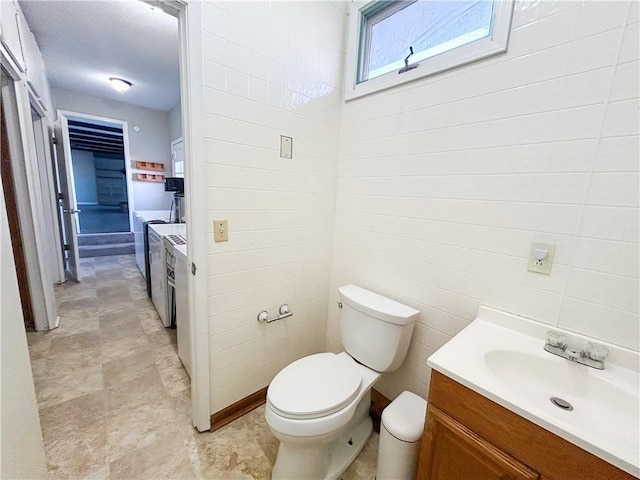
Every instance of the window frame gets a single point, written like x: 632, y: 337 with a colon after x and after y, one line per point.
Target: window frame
x: 479, y: 49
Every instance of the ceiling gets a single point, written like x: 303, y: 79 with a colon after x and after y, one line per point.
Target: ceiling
x: 83, y: 43
x: 94, y: 137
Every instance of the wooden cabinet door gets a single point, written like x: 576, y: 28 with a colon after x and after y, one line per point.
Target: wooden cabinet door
x: 450, y: 451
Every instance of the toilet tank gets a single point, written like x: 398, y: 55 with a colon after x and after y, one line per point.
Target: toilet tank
x: 375, y: 330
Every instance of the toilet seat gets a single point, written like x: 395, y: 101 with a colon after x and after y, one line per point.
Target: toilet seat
x: 314, y: 386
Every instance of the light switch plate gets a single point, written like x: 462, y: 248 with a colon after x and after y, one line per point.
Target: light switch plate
x: 286, y: 147
x: 541, y: 258
x: 220, y: 232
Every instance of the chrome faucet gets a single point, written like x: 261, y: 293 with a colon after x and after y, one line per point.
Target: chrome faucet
x: 593, y: 354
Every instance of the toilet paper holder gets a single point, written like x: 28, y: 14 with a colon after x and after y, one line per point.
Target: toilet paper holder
x: 263, y: 315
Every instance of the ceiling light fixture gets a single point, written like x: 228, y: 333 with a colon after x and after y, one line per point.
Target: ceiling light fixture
x: 120, y: 84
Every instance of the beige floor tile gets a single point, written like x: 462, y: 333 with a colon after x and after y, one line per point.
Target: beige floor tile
x: 164, y: 458
x: 364, y: 466
x: 239, y: 450
x: 39, y: 344
x: 135, y: 428
x: 112, y: 328
x: 166, y: 356
x: 74, y: 324
x: 119, y: 321
x: 130, y: 416
x: 78, y: 305
x: 115, y: 348
x: 149, y: 321
x: 167, y: 336
x: 71, y: 352
x: 75, y: 292
x: 124, y: 307
x: 174, y: 380
x: 145, y: 388
x: 75, y: 436
x: 125, y: 369
x: 55, y: 389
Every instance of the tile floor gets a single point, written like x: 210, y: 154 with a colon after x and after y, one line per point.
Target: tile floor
x: 114, y: 399
x: 103, y: 219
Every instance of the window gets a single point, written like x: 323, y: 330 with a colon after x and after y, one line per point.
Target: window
x: 177, y: 157
x: 395, y: 42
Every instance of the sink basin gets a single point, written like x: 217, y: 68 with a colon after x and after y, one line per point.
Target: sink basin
x: 537, y: 378
x: 501, y: 356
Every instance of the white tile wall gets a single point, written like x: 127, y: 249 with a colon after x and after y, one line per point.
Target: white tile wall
x: 444, y: 183
x: 271, y: 69
x: 430, y: 193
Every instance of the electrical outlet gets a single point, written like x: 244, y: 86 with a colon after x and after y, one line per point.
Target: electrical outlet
x: 541, y: 258
x: 220, y: 233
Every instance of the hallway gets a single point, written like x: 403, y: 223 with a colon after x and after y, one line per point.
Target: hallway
x: 114, y: 399
x: 112, y: 393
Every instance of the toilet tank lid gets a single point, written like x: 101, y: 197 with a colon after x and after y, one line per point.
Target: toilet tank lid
x: 404, y: 417
x: 377, y: 306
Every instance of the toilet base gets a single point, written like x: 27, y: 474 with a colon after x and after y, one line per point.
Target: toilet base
x: 346, y: 448
x: 329, y: 459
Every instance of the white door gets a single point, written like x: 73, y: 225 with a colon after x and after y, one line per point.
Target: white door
x: 69, y: 207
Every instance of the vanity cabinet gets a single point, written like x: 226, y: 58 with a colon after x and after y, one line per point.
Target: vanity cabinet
x: 468, y: 436
x: 456, y: 452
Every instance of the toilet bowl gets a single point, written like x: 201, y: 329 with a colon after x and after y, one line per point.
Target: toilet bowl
x: 308, y: 416
x: 318, y: 406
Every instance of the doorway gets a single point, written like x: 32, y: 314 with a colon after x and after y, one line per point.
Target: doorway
x: 192, y: 95
x: 100, y: 175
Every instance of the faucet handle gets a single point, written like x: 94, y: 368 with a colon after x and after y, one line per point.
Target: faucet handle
x: 556, y: 339
x: 596, y: 352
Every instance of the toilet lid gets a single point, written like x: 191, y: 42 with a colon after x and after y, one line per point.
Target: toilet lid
x: 314, y: 386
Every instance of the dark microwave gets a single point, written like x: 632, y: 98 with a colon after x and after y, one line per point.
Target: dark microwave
x: 174, y: 184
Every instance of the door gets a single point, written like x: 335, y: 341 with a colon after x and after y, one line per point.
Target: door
x: 451, y: 451
x: 69, y: 208
x: 47, y: 179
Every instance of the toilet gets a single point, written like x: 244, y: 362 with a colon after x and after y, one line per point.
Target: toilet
x: 318, y: 406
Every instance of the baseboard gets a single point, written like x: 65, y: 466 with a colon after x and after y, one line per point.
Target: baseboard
x: 378, y: 403
x: 238, y: 409
x: 234, y: 411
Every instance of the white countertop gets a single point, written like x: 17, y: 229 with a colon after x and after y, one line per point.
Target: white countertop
x: 147, y: 215
x: 501, y: 356
x: 164, y: 229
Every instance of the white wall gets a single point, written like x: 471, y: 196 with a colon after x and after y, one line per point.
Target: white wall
x: 21, y: 446
x: 16, y: 34
x: 270, y: 69
x: 151, y: 144
x: 84, y: 176
x: 444, y: 183
x: 175, y: 122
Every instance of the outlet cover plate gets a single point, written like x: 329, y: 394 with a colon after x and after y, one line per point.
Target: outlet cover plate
x: 286, y: 147
x: 543, y: 265
x: 220, y: 232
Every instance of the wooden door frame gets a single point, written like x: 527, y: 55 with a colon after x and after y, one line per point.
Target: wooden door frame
x: 11, y: 203
x: 20, y: 141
